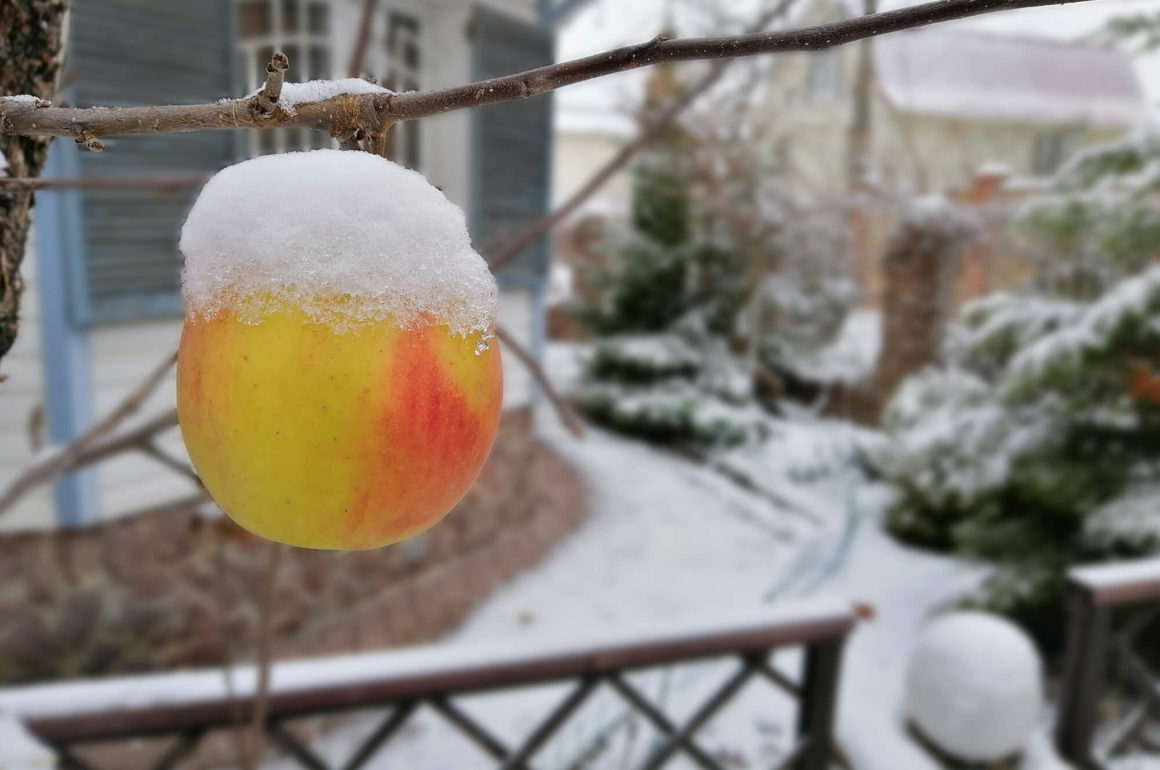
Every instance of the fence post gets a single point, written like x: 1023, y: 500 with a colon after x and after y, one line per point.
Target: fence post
x: 819, y: 695
x: 1083, y: 670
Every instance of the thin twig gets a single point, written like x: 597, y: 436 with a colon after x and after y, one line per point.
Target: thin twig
x: 265, y: 102
x: 158, y: 183
x: 151, y: 449
x: 563, y: 409
x: 265, y: 654
x: 75, y: 454
x: 355, y: 68
x: 373, y: 112
x: 655, y: 128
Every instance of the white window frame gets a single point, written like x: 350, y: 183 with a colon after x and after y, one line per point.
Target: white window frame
x: 382, y: 62
x: 253, y: 67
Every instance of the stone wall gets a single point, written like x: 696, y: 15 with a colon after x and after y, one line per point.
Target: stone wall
x: 179, y: 589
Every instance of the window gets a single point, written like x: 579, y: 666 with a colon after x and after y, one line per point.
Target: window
x: 301, y: 29
x: 1050, y: 149
x: 395, y: 56
x: 825, y: 74
x: 304, y: 30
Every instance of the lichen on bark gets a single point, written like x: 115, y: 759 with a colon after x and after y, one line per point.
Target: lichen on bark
x: 33, y: 34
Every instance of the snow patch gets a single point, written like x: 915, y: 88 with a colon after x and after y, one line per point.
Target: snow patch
x: 19, y: 750
x: 347, y: 236
x: 294, y: 94
x: 850, y: 358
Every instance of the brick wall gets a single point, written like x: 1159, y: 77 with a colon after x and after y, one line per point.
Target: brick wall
x: 177, y: 589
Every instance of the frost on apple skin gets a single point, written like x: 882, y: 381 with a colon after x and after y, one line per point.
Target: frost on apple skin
x: 347, y: 237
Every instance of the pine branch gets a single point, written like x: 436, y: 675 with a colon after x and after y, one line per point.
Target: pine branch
x: 373, y: 113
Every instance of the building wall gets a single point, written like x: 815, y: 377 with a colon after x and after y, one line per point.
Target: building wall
x: 576, y: 157
x: 909, y: 153
x: 930, y: 153
x: 21, y: 400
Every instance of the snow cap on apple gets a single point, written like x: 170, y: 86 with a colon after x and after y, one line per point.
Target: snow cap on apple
x: 309, y: 227
x: 336, y: 385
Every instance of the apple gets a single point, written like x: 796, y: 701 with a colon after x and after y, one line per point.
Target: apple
x: 337, y: 436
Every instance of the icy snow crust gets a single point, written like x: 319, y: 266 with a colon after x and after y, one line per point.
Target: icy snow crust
x: 348, y: 237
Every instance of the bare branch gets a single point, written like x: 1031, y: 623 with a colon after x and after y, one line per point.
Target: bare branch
x: 265, y: 102
x: 88, y: 447
x: 158, y: 183
x: 265, y: 654
x: 355, y: 68
x: 172, y: 463
x: 654, y: 129
x: 78, y: 455
x: 373, y: 112
x: 563, y: 409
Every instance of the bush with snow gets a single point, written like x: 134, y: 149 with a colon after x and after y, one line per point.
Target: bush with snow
x: 974, y: 687
x: 720, y: 283
x: 714, y: 273
x: 1035, y: 444
x: 1099, y: 221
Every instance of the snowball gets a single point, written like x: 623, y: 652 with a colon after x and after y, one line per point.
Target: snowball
x: 346, y: 236
x: 974, y: 686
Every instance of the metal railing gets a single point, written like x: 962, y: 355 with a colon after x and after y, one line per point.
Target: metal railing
x: 1094, y: 650
x: 190, y: 706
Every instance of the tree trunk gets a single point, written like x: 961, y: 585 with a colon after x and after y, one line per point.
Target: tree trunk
x: 33, y: 34
x: 918, y: 275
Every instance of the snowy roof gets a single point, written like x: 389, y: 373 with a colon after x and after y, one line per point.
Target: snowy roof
x: 963, y: 73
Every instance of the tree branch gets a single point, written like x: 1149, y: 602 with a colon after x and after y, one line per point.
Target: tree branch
x: 563, y: 409
x: 511, y: 250
x: 374, y: 112
x: 265, y: 102
x: 265, y: 654
x: 157, y: 182
x: 355, y: 68
x: 88, y: 447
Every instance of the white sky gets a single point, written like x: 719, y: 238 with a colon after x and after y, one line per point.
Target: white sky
x: 603, y: 24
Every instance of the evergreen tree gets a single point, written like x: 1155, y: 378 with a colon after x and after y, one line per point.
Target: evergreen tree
x: 1036, y: 444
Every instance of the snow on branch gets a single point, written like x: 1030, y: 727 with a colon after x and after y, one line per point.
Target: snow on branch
x: 348, y: 112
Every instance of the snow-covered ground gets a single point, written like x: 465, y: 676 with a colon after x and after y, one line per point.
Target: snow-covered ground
x: 667, y: 538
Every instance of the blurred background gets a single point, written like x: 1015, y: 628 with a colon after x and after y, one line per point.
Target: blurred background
x: 874, y: 325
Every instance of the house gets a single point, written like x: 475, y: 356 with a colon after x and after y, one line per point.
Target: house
x: 102, y: 305
x: 943, y: 103
x: 941, y: 109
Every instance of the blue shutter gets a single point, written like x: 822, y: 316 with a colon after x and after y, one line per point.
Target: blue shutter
x: 140, y: 52
x: 511, y: 152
